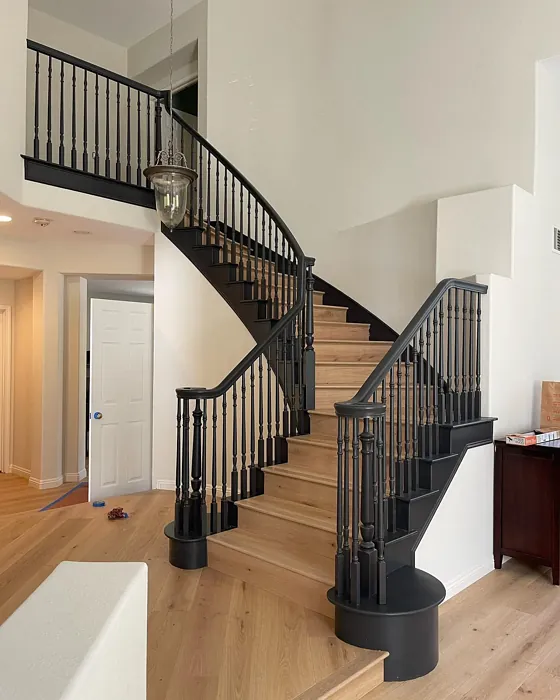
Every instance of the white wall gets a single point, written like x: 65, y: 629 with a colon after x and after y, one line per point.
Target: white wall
x: 198, y: 339
x: 65, y: 37
x: 457, y: 546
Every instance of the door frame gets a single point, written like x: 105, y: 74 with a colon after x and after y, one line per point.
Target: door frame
x: 6, y: 395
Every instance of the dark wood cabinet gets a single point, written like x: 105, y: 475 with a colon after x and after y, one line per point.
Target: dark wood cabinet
x: 526, y: 504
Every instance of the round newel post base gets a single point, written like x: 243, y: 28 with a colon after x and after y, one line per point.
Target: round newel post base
x: 407, y: 626
x: 185, y: 552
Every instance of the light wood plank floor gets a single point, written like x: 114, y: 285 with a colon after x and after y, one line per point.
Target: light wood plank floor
x: 214, y: 637
x: 16, y: 496
x: 211, y: 637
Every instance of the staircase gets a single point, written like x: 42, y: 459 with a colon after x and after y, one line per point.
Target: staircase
x: 315, y: 467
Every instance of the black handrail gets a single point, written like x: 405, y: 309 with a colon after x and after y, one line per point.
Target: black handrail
x: 92, y: 68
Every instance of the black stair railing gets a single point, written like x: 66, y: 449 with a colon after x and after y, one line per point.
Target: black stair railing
x: 431, y: 376
x: 226, y: 435
x: 90, y: 119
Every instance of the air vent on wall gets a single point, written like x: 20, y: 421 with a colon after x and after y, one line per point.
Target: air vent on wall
x: 557, y: 239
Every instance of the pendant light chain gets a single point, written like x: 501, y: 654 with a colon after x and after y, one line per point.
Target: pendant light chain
x: 172, y: 147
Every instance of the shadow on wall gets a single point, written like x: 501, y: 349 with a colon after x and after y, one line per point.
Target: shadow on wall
x: 387, y: 265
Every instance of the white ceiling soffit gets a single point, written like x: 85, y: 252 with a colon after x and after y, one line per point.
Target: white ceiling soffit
x: 124, y: 22
x: 7, y: 272
x: 141, y: 288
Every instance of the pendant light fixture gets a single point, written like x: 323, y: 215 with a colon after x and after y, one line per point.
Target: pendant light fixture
x: 170, y: 175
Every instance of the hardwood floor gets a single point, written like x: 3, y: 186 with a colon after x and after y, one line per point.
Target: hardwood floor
x: 211, y: 637
x: 215, y: 637
x: 16, y: 496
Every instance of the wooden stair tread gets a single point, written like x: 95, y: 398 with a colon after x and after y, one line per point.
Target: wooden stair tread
x: 342, y: 323
x: 297, y: 471
x: 291, y: 510
x: 329, y: 306
x: 343, y: 363
x: 354, y: 680
x: 321, y: 440
x: 306, y: 563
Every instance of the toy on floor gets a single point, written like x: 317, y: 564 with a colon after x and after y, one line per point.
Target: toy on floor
x: 99, y: 504
x: 117, y: 514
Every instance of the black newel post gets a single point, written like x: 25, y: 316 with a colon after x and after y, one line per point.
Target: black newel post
x: 187, y: 533
x: 309, y: 351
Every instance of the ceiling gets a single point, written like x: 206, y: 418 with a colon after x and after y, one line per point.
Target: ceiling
x: 124, y: 22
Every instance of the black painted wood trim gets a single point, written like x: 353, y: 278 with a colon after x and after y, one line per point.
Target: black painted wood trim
x: 98, y: 185
x: 357, y: 313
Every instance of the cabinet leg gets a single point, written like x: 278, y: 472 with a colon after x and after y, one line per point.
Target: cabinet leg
x: 498, y: 560
x: 556, y: 575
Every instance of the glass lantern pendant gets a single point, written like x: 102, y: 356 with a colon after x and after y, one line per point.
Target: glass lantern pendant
x: 171, y: 179
x: 170, y: 175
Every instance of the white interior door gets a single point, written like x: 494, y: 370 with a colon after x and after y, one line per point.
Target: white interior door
x: 120, y: 453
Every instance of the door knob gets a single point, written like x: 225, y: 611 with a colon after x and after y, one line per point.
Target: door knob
x: 98, y: 415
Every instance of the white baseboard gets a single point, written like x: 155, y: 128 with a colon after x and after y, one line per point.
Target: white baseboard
x: 75, y: 477
x: 165, y: 485
x: 464, y: 581
x: 20, y: 471
x: 46, y: 483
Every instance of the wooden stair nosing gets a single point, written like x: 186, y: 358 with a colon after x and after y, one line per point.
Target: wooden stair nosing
x: 301, y: 514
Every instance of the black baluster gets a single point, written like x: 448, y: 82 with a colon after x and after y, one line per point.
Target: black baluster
x: 214, y: 503
x: 400, y: 465
x: 457, y: 396
x: 139, y: 144
x: 178, y: 475
x: 309, y: 350
x: 228, y: 250
x: 464, y: 355
x: 242, y: 250
x: 74, y: 152
x: 263, y: 256
x: 256, y: 261
x: 449, y: 365
x: 249, y: 270
x: 269, y: 440
x: 270, y: 262
x: 196, y: 511
x: 421, y: 390
x: 234, y: 472
x: 261, y: 448
x: 200, y: 184
x: 157, y: 127
x: 128, y: 167
x: 61, y: 116
x: 441, y: 382
x: 380, y: 519
x: 185, y: 467
x: 427, y: 437
x: 409, y: 485
x: 85, y: 156
x: 346, y: 506
x: 286, y: 415
x: 217, y: 226
x: 283, y: 299
x: 436, y: 383
x: 225, y: 504
x: 415, y: 375
x: 252, y: 441
x: 96, y: 131
x: 367, y: 553
x: 277, y: 313
x: 471, y: 356
x: 148, y: 136
x: 340, y: 573
x: 236, y: 255
x: 49, y: 110
x: 477, y: 402
x: 36, y: 143
x: 107, y: 128
x: 243, y: 437
x: 355, y: 580
x: 208, y: 188
x: 193, y: 189
x: 392, y: 470
x: 118, y: 149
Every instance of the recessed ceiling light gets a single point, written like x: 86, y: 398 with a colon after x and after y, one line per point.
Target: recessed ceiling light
x: 5, y: 219
x: 42, y: 222
x: 83, y: 233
